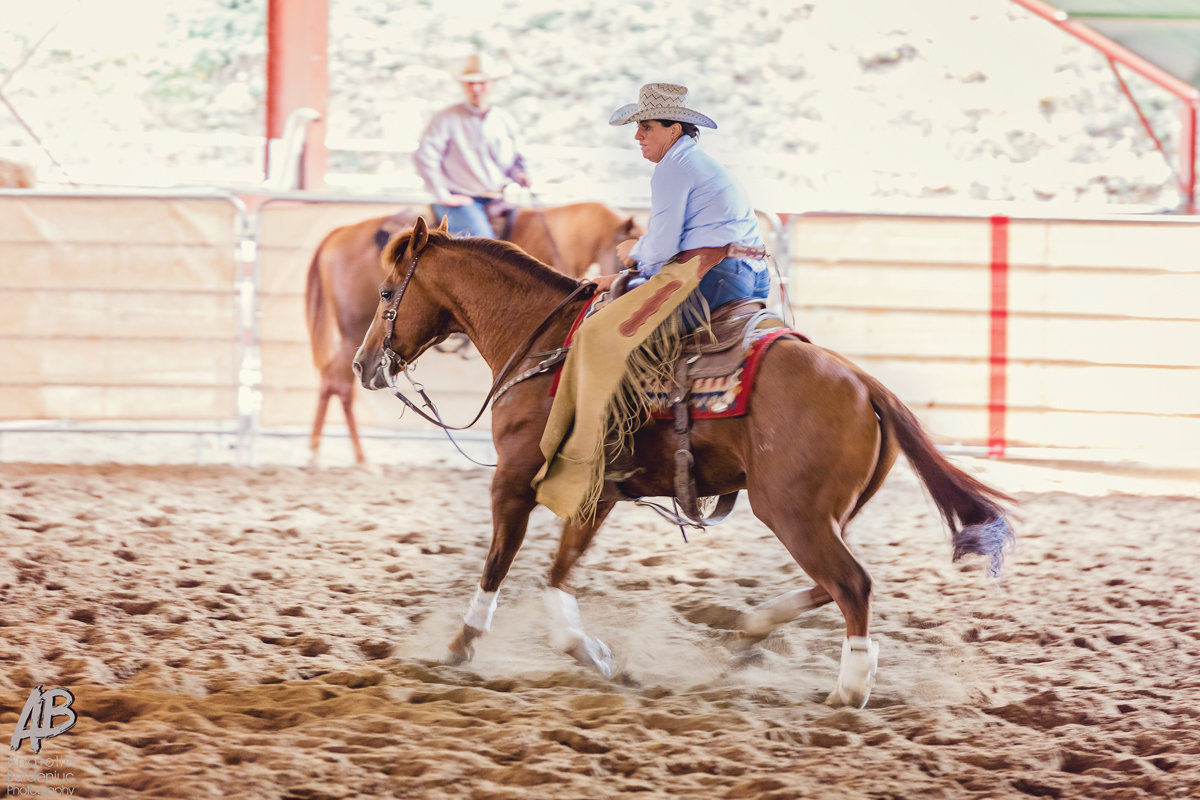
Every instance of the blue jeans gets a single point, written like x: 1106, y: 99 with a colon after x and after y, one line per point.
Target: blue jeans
x: 468, y: 220
x: 735, y: 279
x: 730, y: 279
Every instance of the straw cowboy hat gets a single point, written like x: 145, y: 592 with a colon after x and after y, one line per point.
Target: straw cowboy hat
x: 482, y: 67
x: 660, y: 101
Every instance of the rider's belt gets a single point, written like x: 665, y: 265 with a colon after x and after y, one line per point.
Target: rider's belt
x: 710, y: 256
x: 750, y: 251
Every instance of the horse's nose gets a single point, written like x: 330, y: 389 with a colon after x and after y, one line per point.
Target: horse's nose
x: 357, y: 365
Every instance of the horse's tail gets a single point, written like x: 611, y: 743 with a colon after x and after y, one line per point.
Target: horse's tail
x: 317, y: 311
x: 972, y: 510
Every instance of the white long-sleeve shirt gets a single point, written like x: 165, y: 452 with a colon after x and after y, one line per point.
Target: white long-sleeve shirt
x: 694, y: 202
x: 468, y: 151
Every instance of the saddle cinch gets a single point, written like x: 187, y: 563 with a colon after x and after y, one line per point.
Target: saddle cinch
x: 716, y: 368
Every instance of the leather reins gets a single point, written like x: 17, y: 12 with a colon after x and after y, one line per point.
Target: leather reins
x: 500, y: 384
x: 556, y: 260
x: 684, y: 481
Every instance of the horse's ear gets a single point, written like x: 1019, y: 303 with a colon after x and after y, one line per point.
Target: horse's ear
x: 445, y: 226
x: 420, y: 237
x: 627, y: 226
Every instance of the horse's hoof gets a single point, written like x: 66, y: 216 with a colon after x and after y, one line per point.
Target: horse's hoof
x: 740, y: 641
x: 860, y: 658
x: 756, y: 626
x: 456, y: 658
x: 748, y: 657
x: 848, y: 698
x: 462, y: 649
x: 595, y: 654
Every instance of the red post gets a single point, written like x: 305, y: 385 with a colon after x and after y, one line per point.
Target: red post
x: 1187, y: 155
x: 998, y: 340
x: 1188, y: 95
x: 297, y: 77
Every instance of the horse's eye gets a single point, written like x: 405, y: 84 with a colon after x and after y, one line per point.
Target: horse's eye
x: 385, y: 295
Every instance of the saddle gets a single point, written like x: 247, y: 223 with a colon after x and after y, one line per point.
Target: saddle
x: 391, y: 226
x: 713, y: 352
x: 501, y: 214
x: 712, y: 355
x: 724, y: 350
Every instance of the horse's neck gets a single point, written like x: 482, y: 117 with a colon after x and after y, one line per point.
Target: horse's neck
x: 499, y: 303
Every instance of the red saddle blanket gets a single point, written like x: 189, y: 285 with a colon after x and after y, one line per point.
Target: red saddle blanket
x: 724, y: 395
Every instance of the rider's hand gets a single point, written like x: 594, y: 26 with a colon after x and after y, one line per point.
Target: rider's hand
x: 458, y: 200
x: 623, y: 252
x: 522, y: 179
x: 603, y: 282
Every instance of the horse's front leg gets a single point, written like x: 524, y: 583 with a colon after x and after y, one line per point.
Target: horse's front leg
x: 511, y: 505
x: 566, y: 625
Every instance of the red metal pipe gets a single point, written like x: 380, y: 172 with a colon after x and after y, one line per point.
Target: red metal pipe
x: 1146, y: 122
x: 1176, y: 86
x: 1187, y: 169
x: 297, y: 77
x: 1188, y: 94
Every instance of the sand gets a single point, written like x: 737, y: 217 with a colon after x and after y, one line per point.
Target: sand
x: 274, y: 632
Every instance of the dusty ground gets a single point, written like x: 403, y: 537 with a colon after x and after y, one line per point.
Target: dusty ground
x: 272, y: 632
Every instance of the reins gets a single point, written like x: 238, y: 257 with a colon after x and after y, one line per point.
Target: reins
x: 556, y: 260
x: 687, y: 511
x: 501, y: 384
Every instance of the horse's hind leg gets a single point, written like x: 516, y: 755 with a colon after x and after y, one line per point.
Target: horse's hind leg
x: 337, y: 377
x: 566, y: 625
x: 347, y: 399
x: 314, y: 439
x: 815, y: 541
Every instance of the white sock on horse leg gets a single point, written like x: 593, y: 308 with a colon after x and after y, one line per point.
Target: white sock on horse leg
x: 479, y: 613
x: 773, y: 613
x: 860, y: 658
x: 566, y: 627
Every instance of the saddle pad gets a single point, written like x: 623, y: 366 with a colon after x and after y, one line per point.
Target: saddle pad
x: 726, y: 395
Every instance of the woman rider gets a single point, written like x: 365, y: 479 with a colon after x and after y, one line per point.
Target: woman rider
x: 694, y: 202
x: 695, y: 209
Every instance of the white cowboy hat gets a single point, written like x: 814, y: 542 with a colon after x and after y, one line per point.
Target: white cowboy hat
x: 660, y: 101
x: 482, y: 67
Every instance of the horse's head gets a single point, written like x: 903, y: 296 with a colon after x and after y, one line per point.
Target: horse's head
x: 409, y: 321
x: 627, y: 228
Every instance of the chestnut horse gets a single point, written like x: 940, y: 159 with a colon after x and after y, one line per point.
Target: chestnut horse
x: 344, y: 274
x: 816, y: 444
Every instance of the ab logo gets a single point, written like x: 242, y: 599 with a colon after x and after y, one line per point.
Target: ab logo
x: 39, y: 712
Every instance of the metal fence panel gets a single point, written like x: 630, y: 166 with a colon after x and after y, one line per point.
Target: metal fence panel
x: 118, y: 307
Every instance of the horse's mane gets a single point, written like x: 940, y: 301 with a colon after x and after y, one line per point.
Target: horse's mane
x: 492, y: 248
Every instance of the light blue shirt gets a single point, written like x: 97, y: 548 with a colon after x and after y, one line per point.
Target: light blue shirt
x: 694, y: 202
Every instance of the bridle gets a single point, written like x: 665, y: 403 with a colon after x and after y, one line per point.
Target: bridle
x: 500, y: 385
x: 390, y: 356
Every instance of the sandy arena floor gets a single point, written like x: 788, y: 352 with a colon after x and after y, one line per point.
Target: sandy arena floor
x: 273, y: 632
